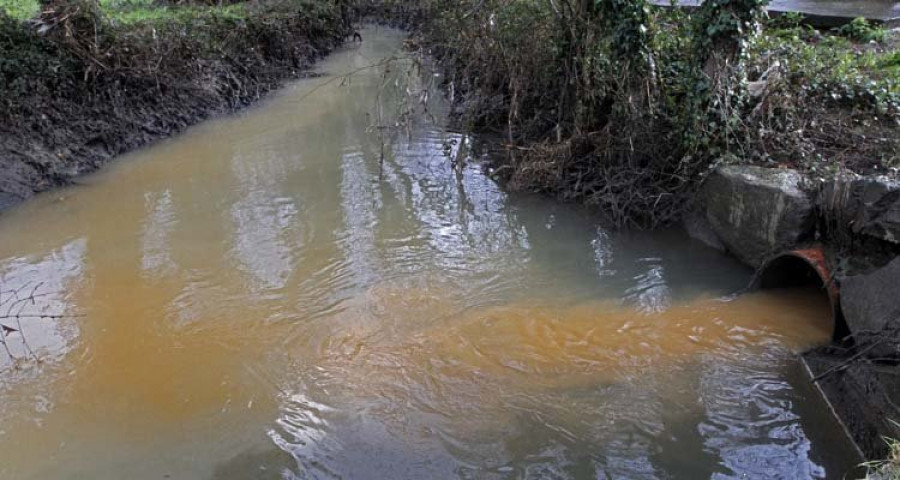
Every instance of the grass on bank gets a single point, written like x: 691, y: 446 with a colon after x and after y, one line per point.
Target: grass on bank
x: 888, y: 469
x: 135, y: 11
x: 87, y: 80
x: 134, y: 36
x: 180, y: 13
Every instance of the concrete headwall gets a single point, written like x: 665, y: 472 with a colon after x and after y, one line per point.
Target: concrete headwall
x: 756, y: 213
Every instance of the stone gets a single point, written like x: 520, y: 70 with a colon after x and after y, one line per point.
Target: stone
x: 866, y: 205
x: 871, y: 302
x: 698, y: 228
x: 761, y: 87
x: 863, y: 395
x: 757, y: 212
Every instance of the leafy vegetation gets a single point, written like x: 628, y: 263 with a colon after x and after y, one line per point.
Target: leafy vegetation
x: 19, y: 9
x: 862, y: 31
x: 834, y: 66
x: 624, y: 105
x: 833, y: 101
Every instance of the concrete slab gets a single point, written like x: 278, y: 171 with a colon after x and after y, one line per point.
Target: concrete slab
x: 825, y: 13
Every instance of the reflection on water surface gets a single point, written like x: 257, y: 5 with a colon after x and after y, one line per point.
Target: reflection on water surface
x: 264, y: 298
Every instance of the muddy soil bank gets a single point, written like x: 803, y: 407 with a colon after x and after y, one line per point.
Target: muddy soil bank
x: 65, y: 113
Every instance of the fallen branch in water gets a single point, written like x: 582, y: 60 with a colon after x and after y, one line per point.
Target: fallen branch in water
x: 345, y: 77
x: 885, y: 338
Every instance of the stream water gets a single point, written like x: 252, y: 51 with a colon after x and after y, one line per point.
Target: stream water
x: 276, y: 295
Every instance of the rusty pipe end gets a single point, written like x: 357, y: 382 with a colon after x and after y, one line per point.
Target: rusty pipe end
x: 799, y: 267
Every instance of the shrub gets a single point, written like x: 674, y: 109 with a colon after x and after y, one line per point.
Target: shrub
x: 862, y: 30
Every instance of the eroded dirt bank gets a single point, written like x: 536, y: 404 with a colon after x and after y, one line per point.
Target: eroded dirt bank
x: 78, y: 89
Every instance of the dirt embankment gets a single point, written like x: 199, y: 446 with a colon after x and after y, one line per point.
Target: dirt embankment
x: 77, y: 89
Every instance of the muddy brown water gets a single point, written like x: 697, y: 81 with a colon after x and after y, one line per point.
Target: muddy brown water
x: 263, y: 297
